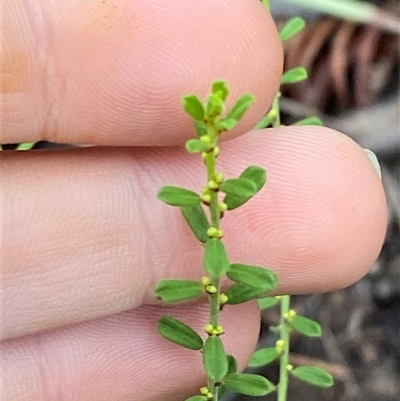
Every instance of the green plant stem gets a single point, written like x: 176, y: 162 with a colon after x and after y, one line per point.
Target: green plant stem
x: 215, y: 222
x: 266, y: 3
x: 276, y: 122
x: 284, y: 358
x: 285, y: 300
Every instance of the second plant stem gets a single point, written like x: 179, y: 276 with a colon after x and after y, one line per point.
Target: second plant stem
x: 285, y: 341
x: 285, y: 299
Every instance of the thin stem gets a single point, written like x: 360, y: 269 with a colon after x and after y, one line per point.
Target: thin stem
x: 266, y: 3
x: 276, y: 122
x: 211, y: 172
x: 215, y: 222
x: 284, y: 358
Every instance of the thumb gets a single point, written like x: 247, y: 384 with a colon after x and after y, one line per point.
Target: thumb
x: 112, y: 72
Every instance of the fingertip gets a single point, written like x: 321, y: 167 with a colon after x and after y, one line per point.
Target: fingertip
x: 114, y: 72
x: 324, y: 208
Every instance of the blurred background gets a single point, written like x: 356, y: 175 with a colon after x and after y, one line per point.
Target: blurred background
x: 353, y: 86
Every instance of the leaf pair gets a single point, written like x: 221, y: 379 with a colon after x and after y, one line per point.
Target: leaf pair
x: 240, y: 190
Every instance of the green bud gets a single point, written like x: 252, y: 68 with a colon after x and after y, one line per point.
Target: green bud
x: 280, y: 345
x: 211, y: 289
x: 212, y: 184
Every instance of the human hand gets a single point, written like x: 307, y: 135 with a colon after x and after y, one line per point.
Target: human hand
x: 85, y: 239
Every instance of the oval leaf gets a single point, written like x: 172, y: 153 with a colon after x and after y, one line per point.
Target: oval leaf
x: 292, y: 28
x: 215, y: 360
x: 314, y: 120
x: 232, y: 364
x: 269, y: 302
x: 197, y: 398
x: 179, y: 333
x: 294, y: 75
x: 306, y: 326
x: 201, y: 128
x: 178, y: 290
x: 176, y: 196
x: 240, y: 107
x: 197, y: 221
x: 263, y: 357
x: 193, y: 107
x: 226, y: 125
x: 265, y: 122
x: 216, y: 261
x: 215, y: 106
x: 312, y: 375
x: 249, y: 384
x: 256, y: 174
x: 239, y: 186
x: 196, y: 146
x: 239, y: 293
x: 220, y: 89
x: 253, y: 276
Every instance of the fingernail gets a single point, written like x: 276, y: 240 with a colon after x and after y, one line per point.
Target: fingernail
x: 374, y: 160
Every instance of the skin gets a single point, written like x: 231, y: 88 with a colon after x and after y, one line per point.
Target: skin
x: 84, y: 238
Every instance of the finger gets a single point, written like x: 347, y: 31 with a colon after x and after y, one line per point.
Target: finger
x: 85, y: 236
x: 113, y: 72
x: 120, y: 357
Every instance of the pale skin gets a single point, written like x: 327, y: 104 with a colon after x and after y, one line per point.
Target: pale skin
x: 84, y: 238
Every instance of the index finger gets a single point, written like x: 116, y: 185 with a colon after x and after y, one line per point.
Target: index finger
x: 112, y: 72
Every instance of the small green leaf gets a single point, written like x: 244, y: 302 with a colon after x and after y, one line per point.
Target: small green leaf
x: 197, y: 398
x: 240, y: 107
x: 248, y: 384
x: 242, y: 187
x: 226, y: 125
x: 255, y: 174
x: 294, y: 75
x: 197, y: 221
x: 292, y: 28
x: 314, y: 120
x: 179, y: 333
x: 263, y: 357
x: 216, y: 261
x: 25, y: 146
x: 306, y: 326
x: 201, y: 128
x: 269, y: 302
x: 193, y: 107
x: 215, y: 106
x: 214, y: 358
x: 253, y: 276
x: 220, y: 89
x: 232, y: 368
x: 239, y: 293
x: 178, y: 290
x: 176, y: 196
x: 196, y: 146
x: 232, y: 364
x: 265, y: 122
x: 312, y: 375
